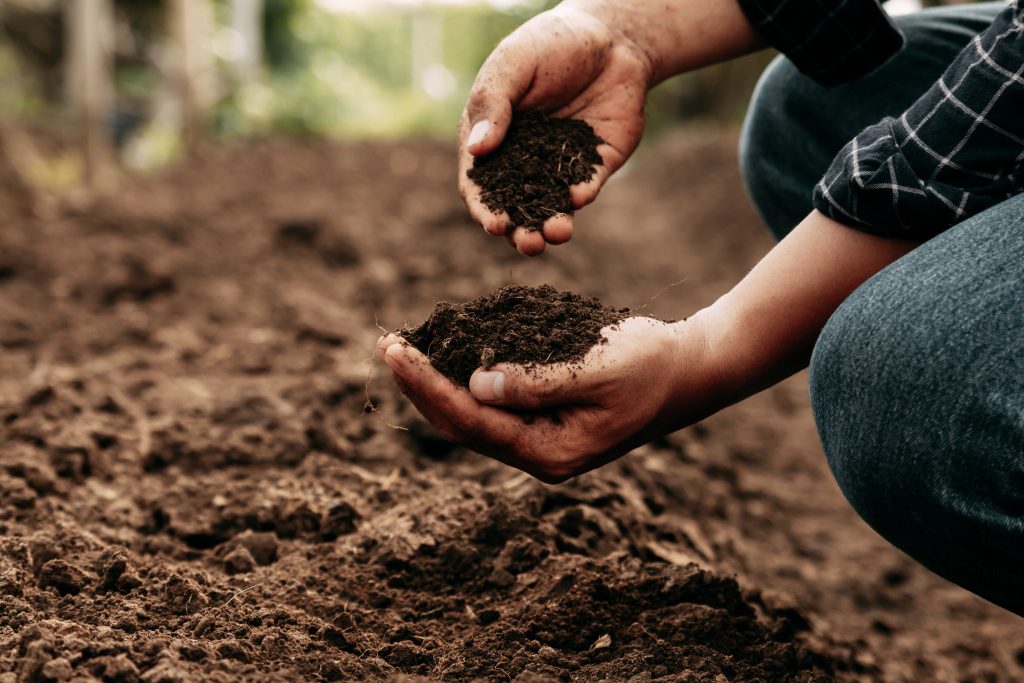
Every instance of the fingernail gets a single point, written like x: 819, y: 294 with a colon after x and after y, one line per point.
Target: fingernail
x: 391, y: 354
x: 478, y: 133
x: 489, y: 386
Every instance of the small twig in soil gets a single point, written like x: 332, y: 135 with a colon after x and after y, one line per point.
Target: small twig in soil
x: 41, y: 370
x: 662, y: 291
x: 528, y: 217
x: 244, y: 590
x: 650, y: 635
x: 370, y: 406
x: 139, y: 417
x: 516, y: 481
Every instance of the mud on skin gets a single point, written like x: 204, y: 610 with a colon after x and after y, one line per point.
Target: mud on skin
x: 528, y: 177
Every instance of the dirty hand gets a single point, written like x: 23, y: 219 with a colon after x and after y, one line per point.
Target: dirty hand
x: 650, y: 378
x: 570, y: 63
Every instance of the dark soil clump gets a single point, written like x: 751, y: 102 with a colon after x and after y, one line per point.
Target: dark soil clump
x: 529, y: 176
x: 525, y: 325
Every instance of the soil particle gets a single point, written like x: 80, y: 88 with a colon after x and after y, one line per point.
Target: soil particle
x: 64, y: 577
x: 117, y: 669
x: 239, y: 561
x: 516, y: 324
x: 184, y: 596
x: 261, y: 545
x: 529, y: 175
x: 58, y: 669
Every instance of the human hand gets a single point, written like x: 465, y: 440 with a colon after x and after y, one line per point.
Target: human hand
x: 570, y: 63
x: 648, y: 379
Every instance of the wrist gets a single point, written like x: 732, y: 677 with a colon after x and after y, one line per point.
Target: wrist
x: 630, y: 30
x: 698, y: 379
x: 674, y: 38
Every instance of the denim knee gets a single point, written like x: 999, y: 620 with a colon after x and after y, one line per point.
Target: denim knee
x: 776, y: 164
x: 758, y: 148
x: 921, y: 428
x: 854, y: 428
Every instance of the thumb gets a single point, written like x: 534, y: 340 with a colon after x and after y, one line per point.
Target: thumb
x: 501, y: 83
x: 533, y: 388
x: 488, y: 116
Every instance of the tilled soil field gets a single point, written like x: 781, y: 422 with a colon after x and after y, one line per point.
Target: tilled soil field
x: 190, y: 489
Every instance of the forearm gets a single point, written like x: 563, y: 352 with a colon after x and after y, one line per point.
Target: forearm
x: 676, y: 35
x: 765, y: 328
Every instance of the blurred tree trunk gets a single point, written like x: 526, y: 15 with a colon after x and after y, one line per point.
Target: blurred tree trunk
x: 192, y: 33
x: 16, y: 195
x: 247, y: 27
x: 89, y: 77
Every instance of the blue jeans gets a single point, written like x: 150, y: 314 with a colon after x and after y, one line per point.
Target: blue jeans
x: 917, y: 380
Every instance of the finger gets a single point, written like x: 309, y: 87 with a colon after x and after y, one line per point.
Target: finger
x: 501, y: 83
x: 584, y: 193
x: 386, y: 341
x: 533, y: 388
x: 450, y: 408
x: 495, y: 223
x: 411, y: 384
x: 558, y: 229
x: 492, y: 431
x: 529, y: 242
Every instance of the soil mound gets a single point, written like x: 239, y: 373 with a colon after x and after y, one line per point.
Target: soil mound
x: 515, y: 324
x: 189, y: 490
x: 529, y: 176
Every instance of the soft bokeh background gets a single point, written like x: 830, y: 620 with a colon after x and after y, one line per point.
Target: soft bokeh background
x: 207, y: 208
x: 114, y: 85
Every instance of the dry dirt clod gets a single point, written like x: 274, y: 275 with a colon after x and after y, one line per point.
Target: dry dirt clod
x: 64, y: 577
x: 239, y: 561
x: 262, y: 545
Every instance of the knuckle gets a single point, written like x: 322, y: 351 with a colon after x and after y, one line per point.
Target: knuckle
x: 467, y: 424
x: 534, y: 388
x: 450, y: 435
x: 479, y: 100
x: 552, y: 475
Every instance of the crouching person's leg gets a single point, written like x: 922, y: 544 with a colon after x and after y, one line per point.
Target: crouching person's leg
x: 917, y: 384
x: 794, y: 127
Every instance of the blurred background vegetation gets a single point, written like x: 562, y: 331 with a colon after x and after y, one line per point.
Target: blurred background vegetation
x: 333, y: 68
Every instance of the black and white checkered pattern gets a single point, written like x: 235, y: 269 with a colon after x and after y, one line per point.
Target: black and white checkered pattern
x: 832, y: 41
x: 955, y: 152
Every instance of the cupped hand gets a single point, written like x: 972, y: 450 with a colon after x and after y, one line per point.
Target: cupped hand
x: 559, y: 420
x: 570, y: 64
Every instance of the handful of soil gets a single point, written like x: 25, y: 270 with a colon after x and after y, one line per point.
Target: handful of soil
x: 525, y: 325
x: 529, y: 175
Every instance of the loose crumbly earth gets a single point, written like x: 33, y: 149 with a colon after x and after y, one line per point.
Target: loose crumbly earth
x: 189, y: 490
x: 528, y: 177
x: 516, y: 324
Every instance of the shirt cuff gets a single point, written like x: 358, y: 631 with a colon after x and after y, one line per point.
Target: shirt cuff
x: 830, y: 45
x: 873, y: 187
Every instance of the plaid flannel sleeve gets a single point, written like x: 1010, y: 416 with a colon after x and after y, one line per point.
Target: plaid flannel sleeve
x: 832, y: 41
x: 955, y: 152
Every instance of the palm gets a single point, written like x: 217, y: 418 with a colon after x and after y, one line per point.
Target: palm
x: 610, y: 402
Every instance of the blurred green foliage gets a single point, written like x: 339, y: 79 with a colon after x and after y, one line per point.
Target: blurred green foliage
x: 361, y: 74
x: 384, y: 71
x: 351, y: 74
x: 21, y: 96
